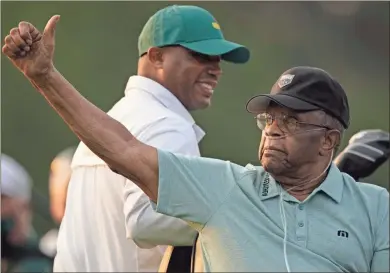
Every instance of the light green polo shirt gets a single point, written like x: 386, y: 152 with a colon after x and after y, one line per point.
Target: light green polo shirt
x: 342, y: 226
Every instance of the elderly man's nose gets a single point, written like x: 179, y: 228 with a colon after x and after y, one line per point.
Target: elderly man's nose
x: 273, y: 130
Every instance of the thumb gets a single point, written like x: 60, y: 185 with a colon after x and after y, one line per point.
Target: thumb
x: 49, y: 31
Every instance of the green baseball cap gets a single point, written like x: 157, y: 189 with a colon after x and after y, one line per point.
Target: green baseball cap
x: 193, y: 28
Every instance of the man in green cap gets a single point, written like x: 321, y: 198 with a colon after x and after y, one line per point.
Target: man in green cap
x: 197, y: 33
x: 109, y: 224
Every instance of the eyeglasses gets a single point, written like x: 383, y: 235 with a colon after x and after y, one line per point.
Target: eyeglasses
x: 287, y: 124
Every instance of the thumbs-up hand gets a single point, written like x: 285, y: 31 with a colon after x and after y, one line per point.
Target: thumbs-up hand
x: 30, y: 50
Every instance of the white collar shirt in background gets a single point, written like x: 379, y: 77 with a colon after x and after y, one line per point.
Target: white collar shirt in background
x: 109, y: 224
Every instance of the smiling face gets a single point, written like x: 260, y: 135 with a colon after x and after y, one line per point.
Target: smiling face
x: 190, y: 76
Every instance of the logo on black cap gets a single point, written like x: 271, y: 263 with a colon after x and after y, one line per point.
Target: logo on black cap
x: 285, y: 80
x: 313, y: 89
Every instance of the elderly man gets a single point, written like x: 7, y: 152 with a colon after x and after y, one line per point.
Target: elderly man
x: 297, y: 212
x: 179, y: 49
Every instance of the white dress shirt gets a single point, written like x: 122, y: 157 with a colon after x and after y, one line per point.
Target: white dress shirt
x: 109, y: 224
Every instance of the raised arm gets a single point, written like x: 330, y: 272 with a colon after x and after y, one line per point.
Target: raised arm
x: 146, y: 227
x: 32, y: 53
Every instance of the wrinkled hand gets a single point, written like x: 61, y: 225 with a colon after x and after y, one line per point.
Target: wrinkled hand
x: 30, y: 50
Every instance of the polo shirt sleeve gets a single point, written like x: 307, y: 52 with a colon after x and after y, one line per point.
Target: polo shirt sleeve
x: 380, y: 261
x: 193, y: 188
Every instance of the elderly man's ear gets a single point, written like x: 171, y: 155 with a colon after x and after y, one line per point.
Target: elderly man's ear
x: 329, y: 142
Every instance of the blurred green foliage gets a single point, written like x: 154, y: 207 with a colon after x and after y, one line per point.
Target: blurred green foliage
x: 97, y: 51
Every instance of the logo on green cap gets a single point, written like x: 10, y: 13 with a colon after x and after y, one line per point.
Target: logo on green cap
x: 216, y: 25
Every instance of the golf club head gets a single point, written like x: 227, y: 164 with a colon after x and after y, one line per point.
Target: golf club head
x: 366, y: 151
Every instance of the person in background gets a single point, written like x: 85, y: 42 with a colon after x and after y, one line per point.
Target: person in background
x: 19, y: 242
x: 60, y: 172
x: 59, y: 176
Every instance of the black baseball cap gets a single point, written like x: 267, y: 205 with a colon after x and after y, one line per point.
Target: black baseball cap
x: 303, y: 89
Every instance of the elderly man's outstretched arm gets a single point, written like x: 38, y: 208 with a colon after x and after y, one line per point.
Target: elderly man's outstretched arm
x: 32, y: 53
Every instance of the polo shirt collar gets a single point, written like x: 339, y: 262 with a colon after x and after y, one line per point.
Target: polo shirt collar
x: 332, y: 186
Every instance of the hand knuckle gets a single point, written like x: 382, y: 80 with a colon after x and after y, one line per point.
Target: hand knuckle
x: 14, y: 31
x: 23, y: 28
x: 7, y: 39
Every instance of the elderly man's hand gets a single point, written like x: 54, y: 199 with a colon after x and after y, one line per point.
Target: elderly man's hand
x: 30, y: 50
